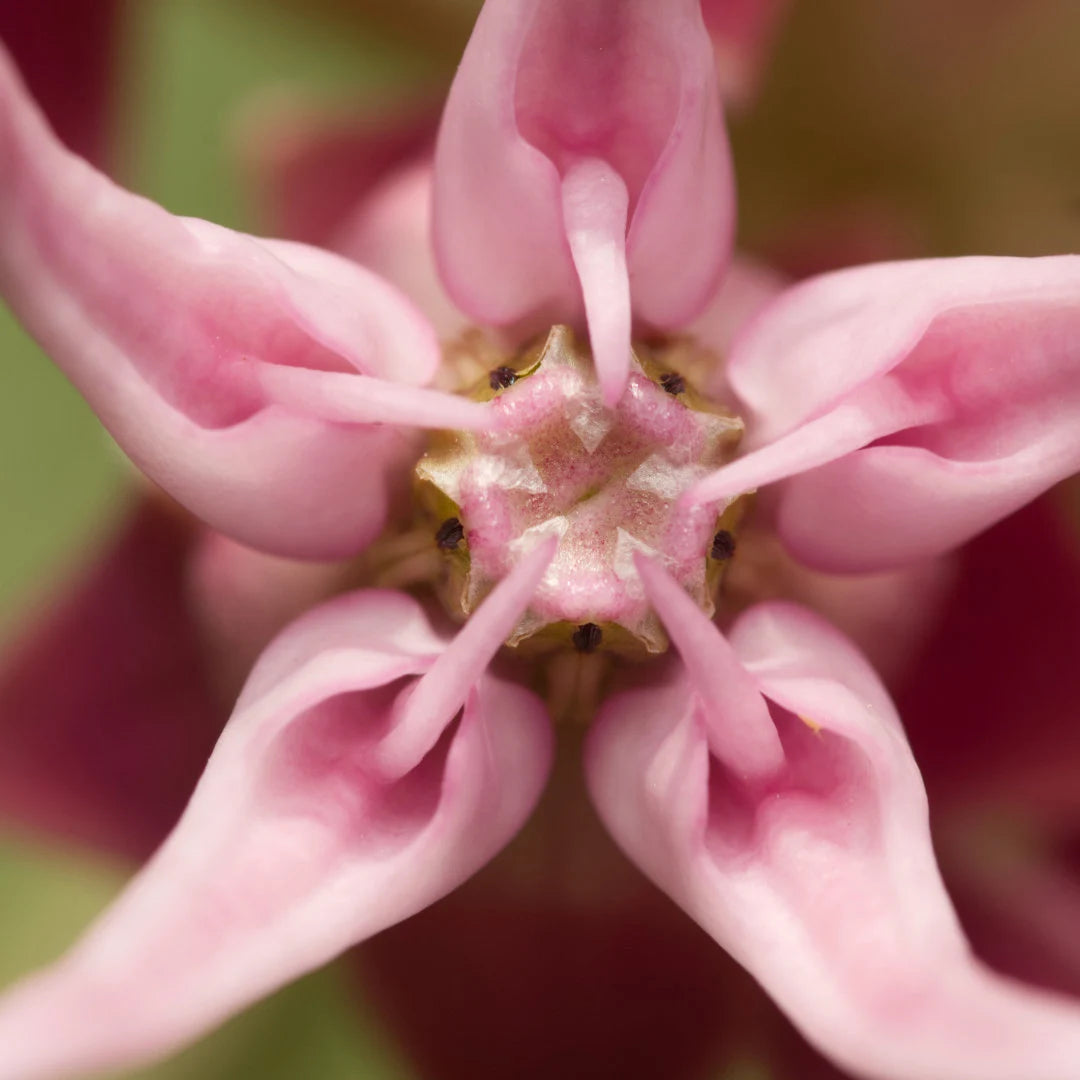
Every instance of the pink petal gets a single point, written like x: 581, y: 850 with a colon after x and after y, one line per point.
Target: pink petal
x: 545, y: 87
x: 107, y: 708
x: 188, y: 339
x: 822, y: 881
x: 940, y: 396
x: 296, y: 844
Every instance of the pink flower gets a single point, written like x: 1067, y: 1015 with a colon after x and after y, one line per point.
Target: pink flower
x: 373, y: 761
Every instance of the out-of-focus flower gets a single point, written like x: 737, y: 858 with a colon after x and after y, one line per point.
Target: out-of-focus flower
x: 107, y: 754
x: 371, y: 764
x: 742, y: 33
x: 66, y: 50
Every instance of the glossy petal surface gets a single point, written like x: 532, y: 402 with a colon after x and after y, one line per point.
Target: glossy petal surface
x: 246, y: 377
x: 545, y: 89
x: 304, y: 835
x: 821, y: 880
x: 912, y: 404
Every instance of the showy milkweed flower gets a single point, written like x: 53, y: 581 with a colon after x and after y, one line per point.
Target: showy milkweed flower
x: 579, y: 498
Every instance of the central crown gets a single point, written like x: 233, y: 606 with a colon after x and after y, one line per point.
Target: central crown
x: 605, y: 481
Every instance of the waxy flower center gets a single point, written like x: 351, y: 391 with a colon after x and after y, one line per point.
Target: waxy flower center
x: 605, y: 481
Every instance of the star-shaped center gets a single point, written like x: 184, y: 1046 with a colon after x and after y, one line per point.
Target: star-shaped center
x: 605, y: 481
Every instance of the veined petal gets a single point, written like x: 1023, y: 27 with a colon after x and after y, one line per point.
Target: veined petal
x: 821, y: 881
x: 296, y: 843
x: 929, y: 398
x: 168, y: 326
x: 544, y: 87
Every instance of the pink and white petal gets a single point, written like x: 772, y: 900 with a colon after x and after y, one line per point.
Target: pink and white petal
x: 822, y: 881
x: 107, y: 709
x: 831, y: 334
x: 173, y: 330
x: 933, y: 398
x: 497, y: 211
x: 543, y: 87
x: 742, y: 33
x: 296, y: 843
x: 885, y: 506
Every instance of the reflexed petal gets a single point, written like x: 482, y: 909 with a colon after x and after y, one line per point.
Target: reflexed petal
x: 939, y: 396
x: 545, y: 87
x: 297, y: 843
x: 821, y: 881
x: 179, y: 333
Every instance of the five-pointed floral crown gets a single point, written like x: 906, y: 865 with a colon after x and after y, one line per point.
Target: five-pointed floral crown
x: 584, y: 496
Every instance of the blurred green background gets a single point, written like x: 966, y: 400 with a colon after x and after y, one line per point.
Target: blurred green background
x: 937, y: 127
